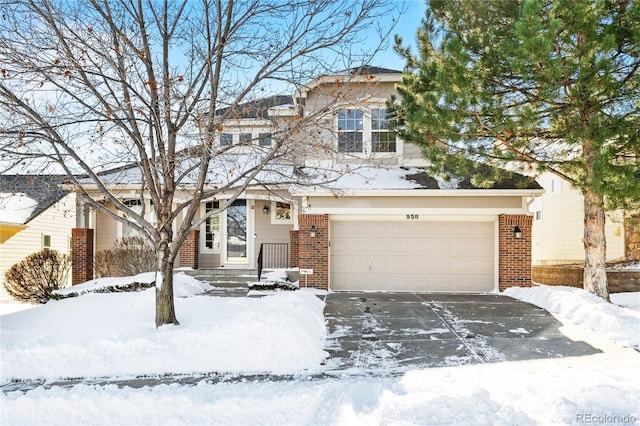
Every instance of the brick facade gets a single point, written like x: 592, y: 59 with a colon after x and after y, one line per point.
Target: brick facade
x: 313, y: 252
x: 514, y: 254
x: 189, y: 250
x: 81, y: 255
x: 294, y: 253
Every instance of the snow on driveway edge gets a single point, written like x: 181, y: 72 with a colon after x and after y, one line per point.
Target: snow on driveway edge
x: 586, y: 309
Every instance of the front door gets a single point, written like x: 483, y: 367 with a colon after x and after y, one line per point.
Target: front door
x: 237, y: 232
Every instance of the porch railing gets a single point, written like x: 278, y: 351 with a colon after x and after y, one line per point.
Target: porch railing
x: 272, y: 256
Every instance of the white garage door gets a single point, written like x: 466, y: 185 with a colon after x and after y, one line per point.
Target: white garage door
x: 413, y: 256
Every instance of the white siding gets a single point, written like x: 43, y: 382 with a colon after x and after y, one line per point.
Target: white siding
x: 557, y: 236
x: 57, y: 221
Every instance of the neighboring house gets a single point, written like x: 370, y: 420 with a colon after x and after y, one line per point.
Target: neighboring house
x: 558, y: 226
x: 35, y: 214
x: 387, y: 227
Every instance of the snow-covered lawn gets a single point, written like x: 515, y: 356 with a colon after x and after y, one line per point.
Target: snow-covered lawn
x: 113, y: 334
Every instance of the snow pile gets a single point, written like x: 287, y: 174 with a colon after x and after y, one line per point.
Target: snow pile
x: 629, y: 300
x: 183, y: 284
x: 633, y: 265
x: 272, y: 279
x: 16, y: 208
x: 586, y: 309
x: 113, y: 334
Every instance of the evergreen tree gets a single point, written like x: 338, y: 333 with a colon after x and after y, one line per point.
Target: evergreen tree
x: 542, y: 85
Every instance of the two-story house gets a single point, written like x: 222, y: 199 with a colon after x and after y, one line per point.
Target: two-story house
x: 384, y: 225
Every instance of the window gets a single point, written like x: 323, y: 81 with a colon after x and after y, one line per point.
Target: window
x: 350, y: 130
x: 264, y: 139
x: 245, y: 138
x: 556, y: 185
x: 281, y: 212
x: 212, y: 227
x: 128, y: 230
x: 536, y: 208
x: 46, y: 242
x: 226, y: 139
x: 382, y: 138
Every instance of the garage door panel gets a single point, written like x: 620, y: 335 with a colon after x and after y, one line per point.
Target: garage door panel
x: 413, y: 256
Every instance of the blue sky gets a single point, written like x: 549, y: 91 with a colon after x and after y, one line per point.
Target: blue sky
x: 408, y: 24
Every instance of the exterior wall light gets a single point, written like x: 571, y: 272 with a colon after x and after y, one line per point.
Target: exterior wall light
x: 312, y: 231
x: 517, y: 232
x: 265, y: 209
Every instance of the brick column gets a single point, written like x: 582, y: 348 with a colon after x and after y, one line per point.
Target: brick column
x: 294, y: 252
x: 313, y: 252
x: 189, y: 250
x: 81, y: 255
x: 514, y: 258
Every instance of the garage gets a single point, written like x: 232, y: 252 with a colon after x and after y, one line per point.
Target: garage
x: 412, y: 255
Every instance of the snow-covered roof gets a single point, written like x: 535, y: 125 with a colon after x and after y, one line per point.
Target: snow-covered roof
x: 24, y: 197
x: 339, y: 177
x: 399, y: 178
x: 16, y: 208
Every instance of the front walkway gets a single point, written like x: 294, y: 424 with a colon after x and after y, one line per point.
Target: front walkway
x: 388, y: 333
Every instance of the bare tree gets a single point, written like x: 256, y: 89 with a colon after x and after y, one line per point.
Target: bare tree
x: 143, y: 88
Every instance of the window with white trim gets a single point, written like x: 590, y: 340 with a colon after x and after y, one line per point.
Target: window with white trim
x: 365, y: 132
x: 46, y: 242
x: 383, y: 139
x: 281, y: 212
x: 212, y: 227
x: 245, y: 138
x: 127, y: 229
x: 350, y: 130
x: 226, y: 139
x: 137, y: 206
x: 264, y: 139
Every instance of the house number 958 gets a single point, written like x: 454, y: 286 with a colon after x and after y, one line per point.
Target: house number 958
x: 413, y: 216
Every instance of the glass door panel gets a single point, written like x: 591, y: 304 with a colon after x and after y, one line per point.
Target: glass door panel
x: 237, y: 231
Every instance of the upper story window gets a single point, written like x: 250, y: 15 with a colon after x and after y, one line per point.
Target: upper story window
x: 245, y: 138
x: 350, y: 130
x: 362, y: 133
x: 264, y: 139
x: 226, y: 139
x: 383, y: 139
x: 556, y: 184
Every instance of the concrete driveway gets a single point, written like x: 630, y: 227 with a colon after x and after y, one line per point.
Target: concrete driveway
x: 388, y: 333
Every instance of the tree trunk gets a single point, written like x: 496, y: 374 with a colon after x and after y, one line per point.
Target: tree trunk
x: 165, y: 308
x: 595, y: 276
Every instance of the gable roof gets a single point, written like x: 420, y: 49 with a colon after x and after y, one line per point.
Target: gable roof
x: 24, y: 197
x: 367, y: 69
